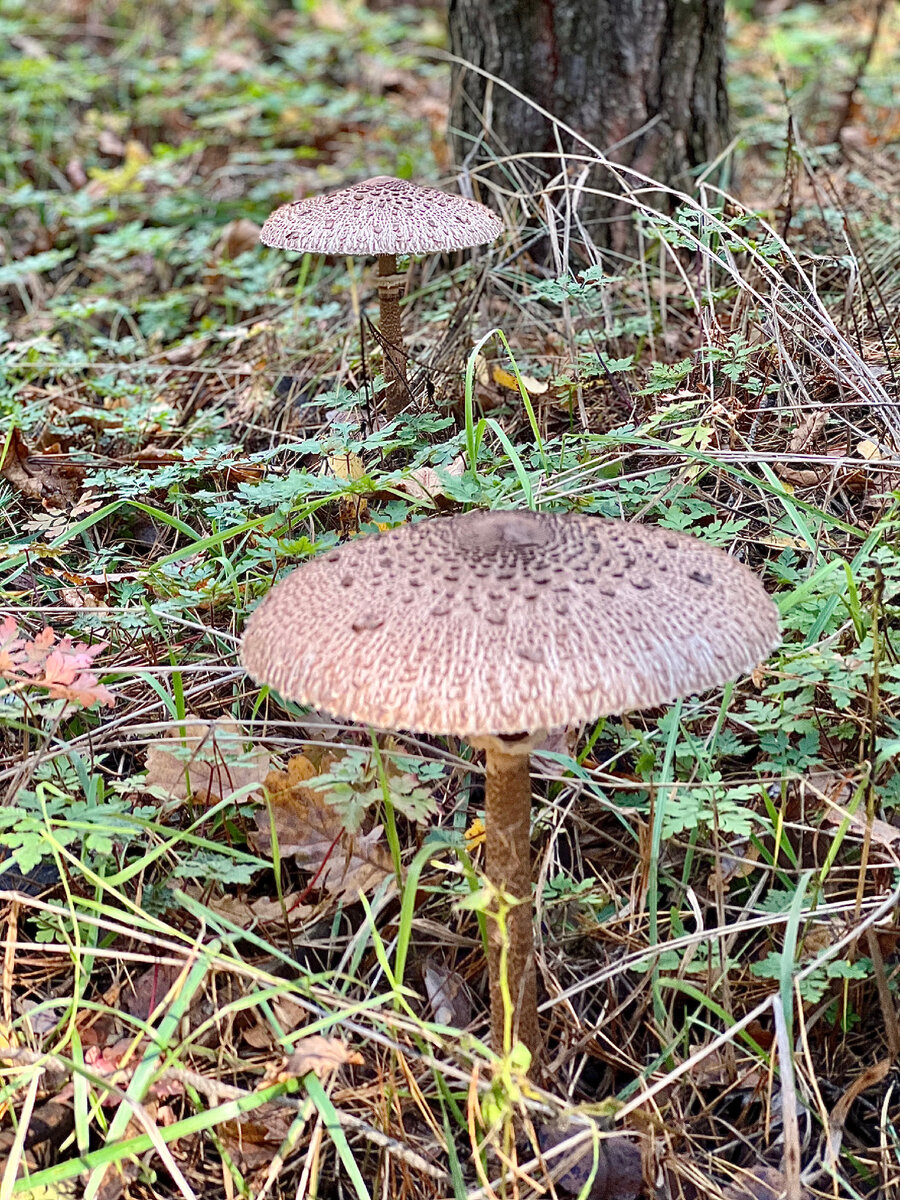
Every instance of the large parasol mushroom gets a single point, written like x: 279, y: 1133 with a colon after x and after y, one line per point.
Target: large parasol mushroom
x: 499, y: 626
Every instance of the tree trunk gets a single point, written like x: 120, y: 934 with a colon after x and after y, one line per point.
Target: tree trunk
x: 642, y: 80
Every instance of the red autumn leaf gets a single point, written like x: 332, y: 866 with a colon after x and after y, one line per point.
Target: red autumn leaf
x: 63, y: 668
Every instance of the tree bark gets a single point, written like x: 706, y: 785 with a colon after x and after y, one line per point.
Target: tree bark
x: 642, y: 80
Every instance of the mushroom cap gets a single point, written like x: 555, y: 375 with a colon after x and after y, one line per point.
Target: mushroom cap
x: 381, y: 216
x: 500, y: 622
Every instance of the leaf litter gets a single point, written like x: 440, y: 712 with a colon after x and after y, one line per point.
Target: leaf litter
x: 206, y: 762
x: 342, y: 860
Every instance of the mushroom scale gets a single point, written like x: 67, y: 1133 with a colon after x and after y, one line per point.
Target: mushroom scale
x: 381, y: 216
x: 499, y: 622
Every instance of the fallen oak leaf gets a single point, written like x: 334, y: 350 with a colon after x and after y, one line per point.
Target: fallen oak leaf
x: 54, y: 483
x: 263, y: 910
x: 311, y: 830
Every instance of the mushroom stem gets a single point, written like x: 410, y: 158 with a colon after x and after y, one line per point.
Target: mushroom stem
x: 507, y: 823
x: 390, y: 289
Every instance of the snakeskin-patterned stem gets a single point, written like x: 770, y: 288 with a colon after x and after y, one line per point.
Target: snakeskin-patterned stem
x: 394, y: 368
x: 507, y: 827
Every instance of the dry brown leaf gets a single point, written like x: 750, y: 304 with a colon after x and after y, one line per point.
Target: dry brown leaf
x: 762, y: 1183
x: 809, y: 431
x: 50, y: 478
x: 739, y: 862
x: 308, y: 828
x: 258, y: 1036
x: 75, y: 173
x: 837, y: 1120
x: 142, y: 993
x: 447, y: 995
x: 717, y: 1069
x: 110, y: 144
x: 423, y: 483
x: 237, y: 238
x: 617, y: 1172
x: 289, y: 1015
x: 253, y: 1140
x: 321, y: 1055
x: 187, y: 352
x: 261, y: 911
x: 118, y: 1175
x: 837, y: 790
x: 233, y: 61
x: 327, y: 14
x: 206, y: 761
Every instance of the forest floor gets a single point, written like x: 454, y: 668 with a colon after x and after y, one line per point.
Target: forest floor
x: 220, y: 978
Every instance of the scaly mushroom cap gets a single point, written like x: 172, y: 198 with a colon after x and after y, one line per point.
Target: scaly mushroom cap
x: 499, y: 622
x: 381, y: 216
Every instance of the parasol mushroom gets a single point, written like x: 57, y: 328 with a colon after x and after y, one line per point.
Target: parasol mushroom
x: 497, y: 627
x: 383, y: 217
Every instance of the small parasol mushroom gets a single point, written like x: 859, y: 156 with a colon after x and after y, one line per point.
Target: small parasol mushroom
x: 383, y: 217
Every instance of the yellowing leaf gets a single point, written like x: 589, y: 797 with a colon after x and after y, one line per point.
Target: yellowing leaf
x: 351, y: 509
x: 506, y: 379
x: 346, y: 465
x: 120, y: 179
x: 475, y: 834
